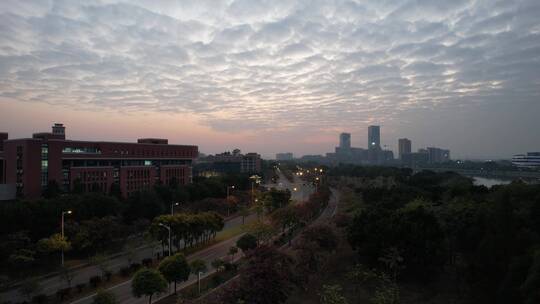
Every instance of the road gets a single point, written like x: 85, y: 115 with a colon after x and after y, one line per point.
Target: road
x: 302, y: 192
x: 82, y: 275
x: 123, y: 290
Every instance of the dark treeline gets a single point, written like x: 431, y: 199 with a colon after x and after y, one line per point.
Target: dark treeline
x: 98, y: 219
x: 486, y: 242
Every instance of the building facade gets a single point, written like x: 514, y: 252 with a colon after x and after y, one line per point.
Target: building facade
x: 3, y: 137
x: 404, y: 147
x: 284, y: 156
x: 438, y: 155
x: 374, y: 137
x: 228, y: 162
x: 345, y: 141
x: 531, y: 160
x: 32, y: 164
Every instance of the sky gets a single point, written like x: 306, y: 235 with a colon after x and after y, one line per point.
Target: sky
x: 276, y: 76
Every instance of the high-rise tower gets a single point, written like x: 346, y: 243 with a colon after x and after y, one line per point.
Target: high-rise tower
x: 404, y: 147
x: 345, y: 141
x: 374, y: 137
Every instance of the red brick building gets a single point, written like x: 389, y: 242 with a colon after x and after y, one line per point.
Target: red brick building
x: 32, y: 163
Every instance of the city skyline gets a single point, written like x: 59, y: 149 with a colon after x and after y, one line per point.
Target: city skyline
x: 272, y: 76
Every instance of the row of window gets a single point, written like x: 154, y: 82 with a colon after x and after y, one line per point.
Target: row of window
x: 163, y: 153
x: 137, y: 185
x: 177, y: 172
x: 67, y: 163
x: 92, y: 175
x: 138, y: 174
x: 87, y: 150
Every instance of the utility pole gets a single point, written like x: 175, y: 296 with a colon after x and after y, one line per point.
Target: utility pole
x: 63, y: 213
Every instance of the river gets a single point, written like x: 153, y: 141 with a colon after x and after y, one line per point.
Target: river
x: 490, y: 182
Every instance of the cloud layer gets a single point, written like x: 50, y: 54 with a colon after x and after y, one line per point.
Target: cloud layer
x: 273, y: 65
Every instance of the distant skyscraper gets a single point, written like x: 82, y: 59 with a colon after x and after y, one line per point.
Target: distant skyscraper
x: 437, y: 155
x: 404, y: 147
x: 284, y: 156
x: 374, y: 137
x: 345, y: 141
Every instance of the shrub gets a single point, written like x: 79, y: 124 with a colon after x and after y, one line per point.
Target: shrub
x: 125, y: 271
x: 216, y: 281
x: 108, y: 275
x: 147, y: 262
x: 40, y: 299
x: 135, y: 266
x: 63, y: 293
x: 94, y: 281
x: 80, y: 287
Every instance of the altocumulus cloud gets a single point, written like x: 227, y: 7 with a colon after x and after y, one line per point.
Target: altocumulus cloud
x: 268, y: 63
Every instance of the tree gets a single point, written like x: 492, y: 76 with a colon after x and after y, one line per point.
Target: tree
x: 54, y: 243
x: 244, y: 212
x: 147, y: 282
x: 93, y: 235
x: 144, y: 204
x: 232, y: 252
x: 262, y: 231
x: 332, y: 294
x: 323, y: 235
x: 275, y: 199
x: 197, y: 266
x: 175, y: 269
x: 22, y: 258
x: 131, y: 252
x: 531, y: 286
x: 105, y: 297
x: 267, y: 278
x: 218, y: 264
x: 246, y: 242
x: 285, y: 217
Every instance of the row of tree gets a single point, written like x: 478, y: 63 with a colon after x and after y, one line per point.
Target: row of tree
x: 173, y: 269
x: 97, y: 219
x: 186, y: 229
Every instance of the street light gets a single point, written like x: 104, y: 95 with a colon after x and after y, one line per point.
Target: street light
x: 228, y: 188
x: 168, y: 228
x: 172, y: 207
x: 199, y: 281
x: 254, y: 179
x: 63, y: 213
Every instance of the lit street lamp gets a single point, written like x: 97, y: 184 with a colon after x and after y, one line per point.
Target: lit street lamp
x: 168, y: 228
x: 228, y: 188
x: 228, y: 207
x: 63, y: 213
x: 172, y: 207
x: 254, y: 179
